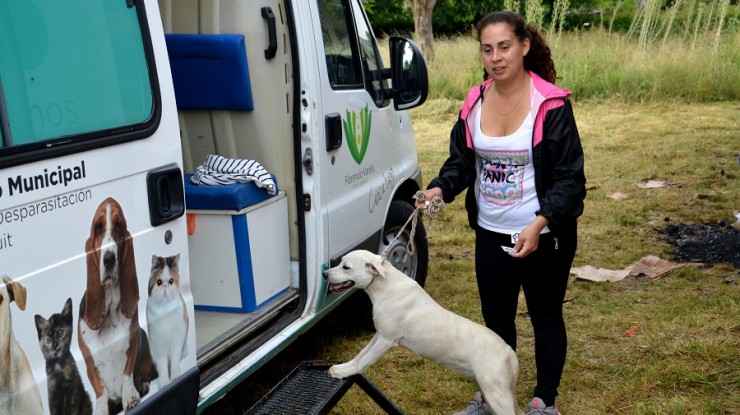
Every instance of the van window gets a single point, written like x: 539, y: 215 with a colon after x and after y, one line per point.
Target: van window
x: 371, y: 59
x: 342, y: 62
x: 348, y: 67
x: 68, y: 69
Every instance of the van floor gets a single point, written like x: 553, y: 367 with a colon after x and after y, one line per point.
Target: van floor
x: 216, y: 331
x: 210, y: 325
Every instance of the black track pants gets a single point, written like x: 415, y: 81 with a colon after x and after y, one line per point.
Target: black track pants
x: 543, y: 275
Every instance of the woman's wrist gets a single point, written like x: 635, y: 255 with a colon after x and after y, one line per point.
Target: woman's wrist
x: 540, y: 222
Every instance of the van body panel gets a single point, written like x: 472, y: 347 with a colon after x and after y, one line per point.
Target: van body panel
x: 48, y: 207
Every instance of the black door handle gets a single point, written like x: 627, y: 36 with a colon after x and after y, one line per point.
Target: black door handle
x: 333, y: 131
x: 272, y: 47
x: 166, y: 195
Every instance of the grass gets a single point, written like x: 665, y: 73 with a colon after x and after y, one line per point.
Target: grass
x: 666, y: 71
x: 684, y: 357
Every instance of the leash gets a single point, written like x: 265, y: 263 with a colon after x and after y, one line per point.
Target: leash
x: 430, y: 209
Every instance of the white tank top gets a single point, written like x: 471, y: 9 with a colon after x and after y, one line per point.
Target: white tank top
x: 507, y: 198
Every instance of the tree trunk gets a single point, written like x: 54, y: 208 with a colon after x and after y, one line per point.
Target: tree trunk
x: 423, y: 27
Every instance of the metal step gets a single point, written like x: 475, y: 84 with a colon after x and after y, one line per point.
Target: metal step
x: 309, y: 390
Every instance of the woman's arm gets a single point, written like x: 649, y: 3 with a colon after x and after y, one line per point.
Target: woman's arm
x: 562, y: 174
x: 458, y: 170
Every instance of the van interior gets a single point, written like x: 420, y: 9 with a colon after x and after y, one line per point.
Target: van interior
x: 243, y: 241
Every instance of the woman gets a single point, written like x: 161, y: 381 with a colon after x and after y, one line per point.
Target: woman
x: 516, y: 149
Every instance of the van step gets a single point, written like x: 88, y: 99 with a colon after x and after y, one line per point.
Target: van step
x: 309, y: 390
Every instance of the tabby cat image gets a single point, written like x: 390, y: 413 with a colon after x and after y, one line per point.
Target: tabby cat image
x: 67, y: 395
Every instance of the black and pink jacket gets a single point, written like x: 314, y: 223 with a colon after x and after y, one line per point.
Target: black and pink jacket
x: 557, y: 156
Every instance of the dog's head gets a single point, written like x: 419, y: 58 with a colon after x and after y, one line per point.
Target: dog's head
x: 357, y: 269
x: 110, y: 263
x: 108, y: 245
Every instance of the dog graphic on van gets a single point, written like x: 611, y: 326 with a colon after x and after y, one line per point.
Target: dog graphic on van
x: 116, y: 350
x: 19, y: 393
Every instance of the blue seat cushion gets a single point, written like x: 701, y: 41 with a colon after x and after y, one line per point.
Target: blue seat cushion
x: 210, y: 71
x: 235, y: 196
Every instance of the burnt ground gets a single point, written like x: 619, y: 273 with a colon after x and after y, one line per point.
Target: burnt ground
x: 705, y: 243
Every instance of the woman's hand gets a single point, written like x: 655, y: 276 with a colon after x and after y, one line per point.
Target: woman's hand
x: 529, y: 238
x: 429, y: 194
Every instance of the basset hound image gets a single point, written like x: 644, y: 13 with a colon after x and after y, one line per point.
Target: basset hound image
x: 19, y: 393
x: 114, y: 346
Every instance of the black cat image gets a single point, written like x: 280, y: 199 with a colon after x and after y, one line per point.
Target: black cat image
x: 67, y: 395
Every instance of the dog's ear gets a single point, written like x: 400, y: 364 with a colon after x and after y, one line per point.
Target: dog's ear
x: 17, y: 292
x: 128, y: 281
x: 375, y: 267
x: 94, y: 310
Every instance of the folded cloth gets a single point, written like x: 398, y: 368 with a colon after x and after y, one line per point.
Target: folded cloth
x: 219, y: 170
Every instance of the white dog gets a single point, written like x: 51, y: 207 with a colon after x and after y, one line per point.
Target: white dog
x: 405, y: 315
x: 19, y: 392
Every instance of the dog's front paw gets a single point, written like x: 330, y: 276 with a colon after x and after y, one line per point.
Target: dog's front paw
x: 130, y: 396
x: 101, y: 405
x: 342, y: 371
x: 130, y: 401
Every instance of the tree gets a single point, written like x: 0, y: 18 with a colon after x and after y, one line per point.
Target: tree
x: 422, y: 10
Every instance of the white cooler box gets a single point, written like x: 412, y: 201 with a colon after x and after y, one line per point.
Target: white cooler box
x: 238, y: 243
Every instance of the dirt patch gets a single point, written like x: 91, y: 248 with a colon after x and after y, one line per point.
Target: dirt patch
x: 705, y: 243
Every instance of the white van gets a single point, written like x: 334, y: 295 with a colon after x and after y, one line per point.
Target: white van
x: 174, y: 178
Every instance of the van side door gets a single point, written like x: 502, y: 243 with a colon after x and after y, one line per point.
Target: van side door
x: 362, y: 152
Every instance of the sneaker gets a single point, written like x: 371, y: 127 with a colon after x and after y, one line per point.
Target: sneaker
x: 475, y: 407
x: 537, y: 407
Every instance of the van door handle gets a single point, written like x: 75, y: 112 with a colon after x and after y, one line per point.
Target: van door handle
x: 166, y: 195
x: 333, y: 131
x: 272, y: 34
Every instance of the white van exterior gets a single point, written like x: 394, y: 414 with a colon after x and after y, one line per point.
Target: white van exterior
x: 129, y: 284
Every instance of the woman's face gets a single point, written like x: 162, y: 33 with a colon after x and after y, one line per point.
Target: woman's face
x: 502, y: 52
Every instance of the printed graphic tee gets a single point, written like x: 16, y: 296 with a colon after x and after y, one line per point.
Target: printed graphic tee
x: 507, y: 198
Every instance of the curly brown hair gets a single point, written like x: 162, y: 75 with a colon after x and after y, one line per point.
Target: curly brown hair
x: 539, y: 58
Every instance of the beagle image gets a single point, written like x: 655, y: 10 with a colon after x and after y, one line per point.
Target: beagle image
x: 116, y: 350
x: 19, y: 393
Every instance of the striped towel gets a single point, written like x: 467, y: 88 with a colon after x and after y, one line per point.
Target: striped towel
x: 218, y: 170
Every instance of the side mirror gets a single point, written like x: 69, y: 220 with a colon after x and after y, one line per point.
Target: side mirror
x: 409, y: 80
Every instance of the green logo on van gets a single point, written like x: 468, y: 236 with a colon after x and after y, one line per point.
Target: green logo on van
x: 358, y: 138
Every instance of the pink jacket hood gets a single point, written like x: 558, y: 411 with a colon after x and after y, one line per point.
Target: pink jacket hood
x: 540, y: 97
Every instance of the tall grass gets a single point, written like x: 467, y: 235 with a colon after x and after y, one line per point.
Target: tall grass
x: 559, y: 11
x: 658, y: 59
x: 599, y: 65
x: 534, y: 13
x: 456, y: 69
x: 723, y: 8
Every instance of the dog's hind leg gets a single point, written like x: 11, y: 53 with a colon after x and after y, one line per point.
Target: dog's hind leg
x: 499, y: 394
x: 374, y: 350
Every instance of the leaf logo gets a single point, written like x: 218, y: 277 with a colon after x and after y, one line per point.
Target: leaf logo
x: 358, y: 136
